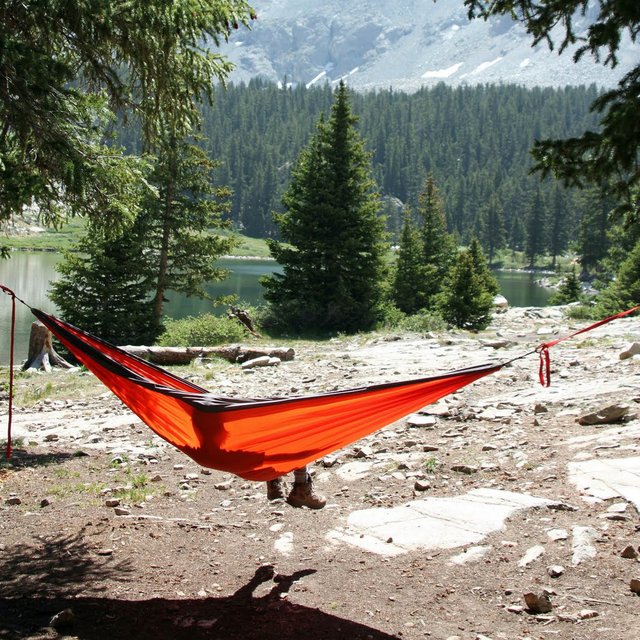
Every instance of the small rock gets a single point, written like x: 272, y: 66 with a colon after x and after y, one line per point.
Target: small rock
x: 63, y: 619
x: 105, y: 552
x: 537, y: 603
x: 121, y: 511
x: 464, y: 468
x: 51, y: 437
x: 585, y: 614
x: 555, y: 570
x: 629, y: 552
x: 606, y: 415
x: 12, y: 501
x: 422, y: 485
x: 515, y: 608
x: 582, y: 546
x: 222, y: 486
x: 531, y: 555
x: 489, y: 447
x: 420, y: 420
x: 634, y: 585
x: 540, y: 408
x: 45, y: 502
x: 112, y: 502
x: 557, y: 534
x: 561, y: 506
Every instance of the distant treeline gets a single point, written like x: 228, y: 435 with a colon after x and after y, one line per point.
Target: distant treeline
x: 475, y: 140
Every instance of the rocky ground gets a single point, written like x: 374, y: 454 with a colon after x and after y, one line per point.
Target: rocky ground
x: 506, y: 510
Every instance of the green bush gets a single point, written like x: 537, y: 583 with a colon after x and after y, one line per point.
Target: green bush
x: 582, y: 312
x: 390, y: 316
x: 204, y: 330
x: 424, y: 321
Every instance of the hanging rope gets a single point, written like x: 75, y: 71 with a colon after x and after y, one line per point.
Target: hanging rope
x: 542, y: 350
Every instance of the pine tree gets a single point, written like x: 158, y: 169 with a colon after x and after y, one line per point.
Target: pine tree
x: 179, y: 226
x: 104, y: 289
x: 438, y: 246
x: 535, y: 230
x: 492, y: 232
x: 407, y: 283
x: 593, y: 241
x: 333, y: 262
x: 481, y: 267
x: 464, y: 302
x: 569, y: 289
x: 559, y: 226
x: 116, y: 285
x: 624, y: 292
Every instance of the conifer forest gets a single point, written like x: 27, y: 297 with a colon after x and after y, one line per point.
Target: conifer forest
x: 475, y: 140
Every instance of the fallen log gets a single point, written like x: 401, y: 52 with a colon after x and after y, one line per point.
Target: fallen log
x: 41, y: 353
x: 184, y: 355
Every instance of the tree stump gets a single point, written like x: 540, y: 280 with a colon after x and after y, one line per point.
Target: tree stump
x: 42, y: 355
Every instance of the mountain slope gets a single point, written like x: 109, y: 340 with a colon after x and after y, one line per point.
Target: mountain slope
x: 405, y: 45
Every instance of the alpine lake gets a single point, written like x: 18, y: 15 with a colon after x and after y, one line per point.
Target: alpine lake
x: 30, y: 273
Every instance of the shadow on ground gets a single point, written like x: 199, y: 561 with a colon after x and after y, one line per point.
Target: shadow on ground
x: 40, y: 581
x: 22, y: 458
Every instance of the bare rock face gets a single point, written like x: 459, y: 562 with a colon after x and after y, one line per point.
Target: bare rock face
x: 373, y: 45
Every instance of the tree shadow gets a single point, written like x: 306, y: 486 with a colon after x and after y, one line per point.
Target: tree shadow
x: 37, y: 583
x: 21, y: 458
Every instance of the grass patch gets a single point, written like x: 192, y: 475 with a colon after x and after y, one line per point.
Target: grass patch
x: 32, y: 388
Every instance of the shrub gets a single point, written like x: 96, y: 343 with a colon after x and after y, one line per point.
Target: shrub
x: 424, y: 321
x: 204, y: 330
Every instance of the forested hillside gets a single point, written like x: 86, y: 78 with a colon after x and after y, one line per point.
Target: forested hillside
x: 474, y: 139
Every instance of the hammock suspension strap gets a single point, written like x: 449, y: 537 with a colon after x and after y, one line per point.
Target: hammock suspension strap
x: 543, y: 349
x: 11, y: 349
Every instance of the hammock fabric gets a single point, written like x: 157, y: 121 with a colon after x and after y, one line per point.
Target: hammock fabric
x: 257, y: 439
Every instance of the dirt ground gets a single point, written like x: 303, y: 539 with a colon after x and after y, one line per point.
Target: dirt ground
x: 108, y: 532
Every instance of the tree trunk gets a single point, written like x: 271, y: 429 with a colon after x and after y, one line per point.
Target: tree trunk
x: 184, y: 355
x: 42, y: 355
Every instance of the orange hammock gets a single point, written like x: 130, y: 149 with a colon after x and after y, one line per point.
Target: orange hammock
x: 259, y: 439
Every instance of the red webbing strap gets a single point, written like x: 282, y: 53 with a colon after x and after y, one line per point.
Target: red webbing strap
x: 13, y: 331
x: 543, y: 349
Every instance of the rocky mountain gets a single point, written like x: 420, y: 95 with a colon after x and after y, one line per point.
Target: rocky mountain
x: 404, y: 44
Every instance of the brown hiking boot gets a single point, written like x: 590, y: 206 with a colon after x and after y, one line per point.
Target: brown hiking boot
x: 302, y: 495
x: 275, y: 489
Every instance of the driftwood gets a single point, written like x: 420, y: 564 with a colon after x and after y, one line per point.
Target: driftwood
x: 41, y: 354
x: 243, y: 317
x: 184, y: 355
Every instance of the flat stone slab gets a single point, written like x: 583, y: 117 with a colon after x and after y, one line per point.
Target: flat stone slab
x: 432, y: 523
x: 608, y: 478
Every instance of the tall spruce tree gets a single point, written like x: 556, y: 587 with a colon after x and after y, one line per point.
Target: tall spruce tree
x: 491, y: 226
x: 535, y: 239
x: 481, y: 267
x: 115, y: 285
x: 438, y: 246
x: 332, y: 264
x: 407, y: 289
